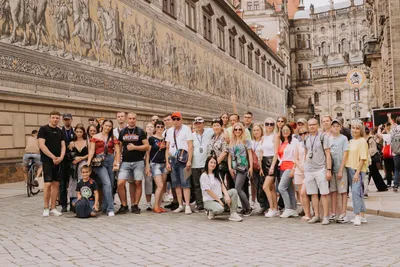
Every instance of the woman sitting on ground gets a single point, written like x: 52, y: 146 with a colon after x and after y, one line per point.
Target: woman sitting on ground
x: 215, y: 195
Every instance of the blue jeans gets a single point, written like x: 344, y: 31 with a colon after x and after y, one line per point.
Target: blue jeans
x: 178, y: 174
x: 106, y: 175
x: 357, y: 192
x: 396, y: 170
x: 287, y: 191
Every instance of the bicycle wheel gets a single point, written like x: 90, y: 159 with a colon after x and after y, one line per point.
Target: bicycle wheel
x: 28, y: 181
x: 34, y: 189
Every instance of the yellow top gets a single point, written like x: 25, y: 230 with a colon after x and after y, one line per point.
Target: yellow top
x: 358, y: 151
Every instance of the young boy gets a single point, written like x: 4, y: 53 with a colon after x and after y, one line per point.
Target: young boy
x: 87, y: 187
x: 338, y: 185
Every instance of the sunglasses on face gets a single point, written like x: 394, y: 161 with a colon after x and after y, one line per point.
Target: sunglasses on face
x: 176, y: 119
x: 269, y: 124
x: 160, y: 127
x: 238, y: 130
x: 301, y: 134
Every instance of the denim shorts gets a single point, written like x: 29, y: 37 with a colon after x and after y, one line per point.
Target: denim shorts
x: 131, y: 171
x: 36, y: 157
x: 178, y: 174
x: 158, y: 169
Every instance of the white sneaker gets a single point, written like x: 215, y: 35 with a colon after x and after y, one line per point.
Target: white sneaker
x: 46, y: 213
x: 252, y: 203
x: 277, y: 213
x: 343, y: 219
x: 289, y: 213
x: 270, y: 213
x: 235, y: 217
x: 210, y: 215
x: 179, y: 209
x: 188, y: 210
x: 111, y: 214
x: 362, y: 219
x: 55, y: 212
x: 357, y: 221
x: 332, y: 218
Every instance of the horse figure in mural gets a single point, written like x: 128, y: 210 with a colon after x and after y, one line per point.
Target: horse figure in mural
x: 86, y: 29
x: 29, y: 13
x: 113, y: 35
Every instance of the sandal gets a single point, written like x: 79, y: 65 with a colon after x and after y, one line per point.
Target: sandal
x: 163, y: 210
x: 157, y: 210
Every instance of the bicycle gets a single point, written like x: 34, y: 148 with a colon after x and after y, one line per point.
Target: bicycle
x: 30, y: 185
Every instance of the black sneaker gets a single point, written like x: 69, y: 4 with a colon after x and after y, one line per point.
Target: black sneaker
x: 172, y: 206
x: 248, y: 212
x: 122, y: 210
x: 395, y: 188
x: 135, y: 209
x: 169, y: 205
x: 64, y: 209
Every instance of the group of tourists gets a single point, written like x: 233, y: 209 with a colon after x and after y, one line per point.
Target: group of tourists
x: 226, y: 167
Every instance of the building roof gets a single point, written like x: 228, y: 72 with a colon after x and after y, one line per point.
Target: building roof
x: 339, y: 5
x: 291, y: 6
x: 301, y: 14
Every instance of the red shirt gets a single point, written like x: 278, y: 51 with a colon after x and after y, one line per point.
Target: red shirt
x: 285, y: 165
x: 99, y: 145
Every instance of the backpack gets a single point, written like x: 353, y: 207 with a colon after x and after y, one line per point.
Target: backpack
x: 83, y: 208
x: 395, y: 141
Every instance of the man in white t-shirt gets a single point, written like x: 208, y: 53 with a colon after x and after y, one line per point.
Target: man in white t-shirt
x: 201, y: 137
x: 180, y: 153
x: 121, y: 119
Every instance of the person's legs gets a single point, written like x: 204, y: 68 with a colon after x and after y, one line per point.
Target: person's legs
x: 123, y: 175
x: 148, y: 187
x: 305, y: 201
x: 357, y: 195
x: 269, y: 189
x: 185, y: 183
x: 196, y: 174
x: 389, y: 166
x: 103, y: 173
x: 47, y: 194
x: 175, y: 180
x: 138, y: 192
x: 214, y: 207
x: 261, y: 196
x: 315, y: 204
x: 283, y: 188
x: 292, y: 195
x: 253, y: 189
x: 377, y: 177
x: 158, y: 194
x: 396, y: 172
x: 233, y: 194
x: 54, y: 192
x: 239, y: 183
x: 65, y: 173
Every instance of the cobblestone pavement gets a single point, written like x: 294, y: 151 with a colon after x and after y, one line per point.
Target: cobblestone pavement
x: 28, y: 239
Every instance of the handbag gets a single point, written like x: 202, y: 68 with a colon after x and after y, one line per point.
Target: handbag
x: 182, y: 155
x: 241, y: 169
x: 83, y: 208
x: 256, y: 163
x: 387, y: 152
x: 98, y: 161
x: 223, y: 167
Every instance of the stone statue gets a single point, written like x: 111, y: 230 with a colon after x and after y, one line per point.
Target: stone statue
x: 312, y: 8
x: 325, y: 59
x: 5, y: 15
x: 85, y: 28
x: 62, y: 30
x: 133, y: 49
x: 346, y: 57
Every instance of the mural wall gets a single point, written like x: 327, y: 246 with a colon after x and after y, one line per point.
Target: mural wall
x: 113, y: 36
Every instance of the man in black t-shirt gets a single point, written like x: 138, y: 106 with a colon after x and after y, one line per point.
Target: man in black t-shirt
x: 52, y: 151
x: 134, y: 146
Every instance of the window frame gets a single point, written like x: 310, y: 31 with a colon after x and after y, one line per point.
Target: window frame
x: 242, y: 50
x: 207, y: 17
x: 191, y: 4
x: 232, y: 42
x: 250, y: 62
x: 169, y: 8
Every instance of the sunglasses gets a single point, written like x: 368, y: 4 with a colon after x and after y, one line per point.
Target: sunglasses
x: 280, y: 121
x: 160, y: 127
x: 269, y: 124
x: 303, y: 133
x: 176, y: 119
x: 238, y: 130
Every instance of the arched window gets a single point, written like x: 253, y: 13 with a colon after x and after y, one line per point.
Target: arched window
x: 324, y: 48
x: 338, y: 96
x: 345, y: 46
x: 316, y: 98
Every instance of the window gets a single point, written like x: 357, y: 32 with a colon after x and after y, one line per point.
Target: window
x: 256, y: 5
x: 242, y: 55
x: 190, y: 14
x: 319, y: 51
x: 300, y: 71
x: 263, y: 67
x: 345, y: 46
x: 277, y: 79
x: 316, y: 98
x: 250, y: 56
x: 308, y: 41
x: 232, y: 42
x: 309, y: 71
x: 282, y: 84
x: 221, y: 23
x: 273, y: 76
x: 169, y: 7
x: 207, y: 24
x: 257, y: 61
x: 338, y: 96
x: 325, y: 49
x: 269, y: 72
x: 249, y: 6
x: 299, y: 41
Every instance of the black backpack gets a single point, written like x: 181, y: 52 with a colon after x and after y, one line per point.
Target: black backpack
x: 83, y: 208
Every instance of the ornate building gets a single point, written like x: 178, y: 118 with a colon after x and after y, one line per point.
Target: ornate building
x: 327, y: 43
x: 322, y: 45
x: 381, y: 51
x: 93, y: 58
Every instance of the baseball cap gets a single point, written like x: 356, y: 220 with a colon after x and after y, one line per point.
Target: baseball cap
x: 67, y: 116
x: 176, y: 114
x: 199, y: 120
x: 338, y: 121
x: 302, y: 120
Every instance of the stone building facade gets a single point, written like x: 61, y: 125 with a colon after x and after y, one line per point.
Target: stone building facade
x: 93, y: 58
x: 381, y: 52
x: 327, y: 43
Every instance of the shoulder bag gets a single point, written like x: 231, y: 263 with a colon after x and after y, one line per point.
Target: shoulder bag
x: 182, y: 155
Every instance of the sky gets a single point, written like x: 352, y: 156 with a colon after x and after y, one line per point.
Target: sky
x: 319, y: 2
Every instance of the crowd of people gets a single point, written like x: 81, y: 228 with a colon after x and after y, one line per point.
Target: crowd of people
x: 226, y: 167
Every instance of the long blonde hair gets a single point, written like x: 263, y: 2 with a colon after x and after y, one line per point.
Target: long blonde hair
x: 259, y: 125
x: 235, y: 140
x: 274, y: 121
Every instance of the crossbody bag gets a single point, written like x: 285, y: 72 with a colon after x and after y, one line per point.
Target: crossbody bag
x: 182, y: 155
